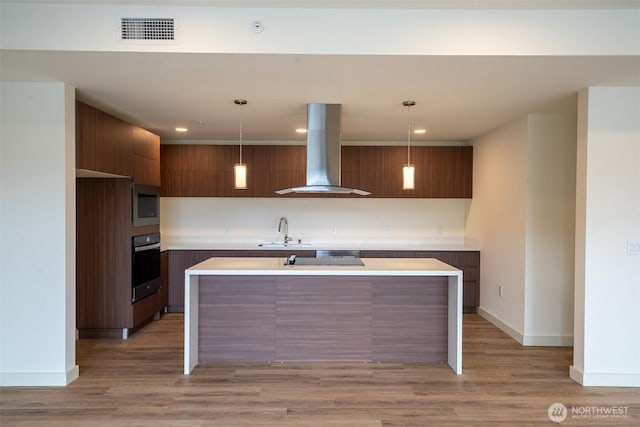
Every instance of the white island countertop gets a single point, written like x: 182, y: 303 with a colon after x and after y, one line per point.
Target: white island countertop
x: 372, y: 267
x: 253, y: 266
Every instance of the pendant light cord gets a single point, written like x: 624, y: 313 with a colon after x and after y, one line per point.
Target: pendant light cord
x: 409, y: 135
x: 240, y: 103
x: 409, y: 104
x: 240, y: 107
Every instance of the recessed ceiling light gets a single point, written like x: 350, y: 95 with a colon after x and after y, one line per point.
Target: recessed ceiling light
x: 419, y: 131
x: 181, y: 129
x: 301, y: 130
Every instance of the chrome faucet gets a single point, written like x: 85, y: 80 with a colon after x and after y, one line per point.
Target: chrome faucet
x: 283, y: 226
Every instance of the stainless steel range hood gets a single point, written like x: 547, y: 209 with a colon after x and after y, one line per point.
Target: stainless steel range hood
x: 323, y: 152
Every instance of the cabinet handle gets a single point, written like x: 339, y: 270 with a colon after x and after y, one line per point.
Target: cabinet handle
x: 147, y: 247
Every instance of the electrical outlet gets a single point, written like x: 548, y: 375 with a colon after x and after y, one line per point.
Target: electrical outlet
x: 499, y: 291
x: 334, y: 230
x: 387, y: 229
x: 633, y: 247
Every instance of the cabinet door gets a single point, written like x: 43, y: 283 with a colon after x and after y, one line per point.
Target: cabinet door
x: 179, y: 260
x: 146, y: 157
x: 85, y: 136
x: 469, y: 263
x: 164, y: 278
x: 103, y: 256
x: 113, y: 145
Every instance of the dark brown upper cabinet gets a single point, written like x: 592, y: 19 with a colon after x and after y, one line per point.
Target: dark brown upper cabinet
x: 85, y: 136
x: 107, y: 144
x: 146, y: 157
x: 207, y: 171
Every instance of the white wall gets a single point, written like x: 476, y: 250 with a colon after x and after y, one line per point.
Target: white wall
x: 550, y: 233
x: 37, y: 234
x: 321, y: 220
x: 607, y: 342
x: 522, y: 213
x: 497, y: 220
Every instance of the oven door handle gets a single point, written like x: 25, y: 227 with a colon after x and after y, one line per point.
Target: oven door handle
x: 147, y: 247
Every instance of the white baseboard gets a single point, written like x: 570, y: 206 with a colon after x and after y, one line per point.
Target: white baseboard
x: 548, y: 340
x: 576, y: 374
x: 73, y: 374
x: 39, y: 379
x: 600, y: 379
x: 500, y: 325
x: 527, y: 340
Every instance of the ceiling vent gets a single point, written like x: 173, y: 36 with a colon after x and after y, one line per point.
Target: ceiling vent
x: 148, y: 29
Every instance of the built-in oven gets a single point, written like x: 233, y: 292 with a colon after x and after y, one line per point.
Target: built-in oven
x: 145, y: 264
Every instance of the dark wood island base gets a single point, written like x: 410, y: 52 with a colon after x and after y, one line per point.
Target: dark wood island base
x: 322, y: 318
x: 261, y: 310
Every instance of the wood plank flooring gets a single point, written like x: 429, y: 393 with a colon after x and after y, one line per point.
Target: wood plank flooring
x: 139, y: 382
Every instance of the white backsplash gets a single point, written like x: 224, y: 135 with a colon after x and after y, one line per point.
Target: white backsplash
x: 361, y: 220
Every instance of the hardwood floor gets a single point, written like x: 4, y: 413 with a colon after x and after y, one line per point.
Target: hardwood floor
x: 139, y: 382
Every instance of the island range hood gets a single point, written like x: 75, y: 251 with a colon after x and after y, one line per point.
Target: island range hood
x: 323, y: 152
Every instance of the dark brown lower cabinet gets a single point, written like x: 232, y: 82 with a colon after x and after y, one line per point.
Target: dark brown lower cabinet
x: 467, y: 261
x: 179, y: 260
x: 164, y: 280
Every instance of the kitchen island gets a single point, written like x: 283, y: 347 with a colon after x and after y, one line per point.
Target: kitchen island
x: 261, y: 310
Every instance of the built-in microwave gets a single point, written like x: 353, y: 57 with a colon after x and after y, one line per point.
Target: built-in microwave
x: 145, y: 205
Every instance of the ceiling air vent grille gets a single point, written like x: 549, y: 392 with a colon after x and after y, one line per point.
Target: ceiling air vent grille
x: 148, y: 29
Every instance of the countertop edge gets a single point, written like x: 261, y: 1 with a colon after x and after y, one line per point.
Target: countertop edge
x: 274, y: 266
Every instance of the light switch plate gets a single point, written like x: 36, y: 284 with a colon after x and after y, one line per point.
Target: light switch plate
x: 633, y: 247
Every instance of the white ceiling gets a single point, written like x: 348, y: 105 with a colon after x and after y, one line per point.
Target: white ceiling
x: 458, y: 97
x: 379, y: 4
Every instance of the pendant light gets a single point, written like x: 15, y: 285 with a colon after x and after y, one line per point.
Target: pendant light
x: 408, y: 170
x: 240, y: 169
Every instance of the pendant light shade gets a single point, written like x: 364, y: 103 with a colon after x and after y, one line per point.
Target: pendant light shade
x: 408, y: 175
x: 240, y: 176
x: 240, y: 169
x: 408, y: 170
